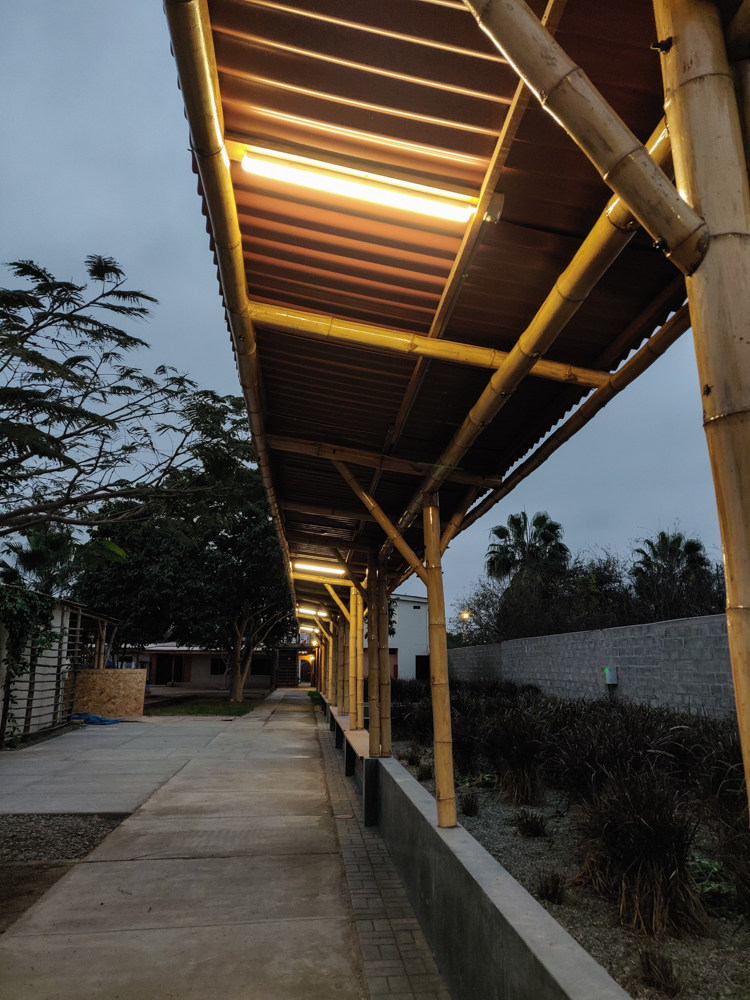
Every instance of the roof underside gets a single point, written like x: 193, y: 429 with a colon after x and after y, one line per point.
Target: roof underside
x: 413, y: 89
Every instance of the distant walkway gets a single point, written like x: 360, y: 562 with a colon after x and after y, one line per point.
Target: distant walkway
x: 226, y: 884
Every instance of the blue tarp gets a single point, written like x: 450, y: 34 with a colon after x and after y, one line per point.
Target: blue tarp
x: 93, y: 720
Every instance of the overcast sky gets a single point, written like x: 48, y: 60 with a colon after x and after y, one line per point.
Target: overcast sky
x: 95, y: 159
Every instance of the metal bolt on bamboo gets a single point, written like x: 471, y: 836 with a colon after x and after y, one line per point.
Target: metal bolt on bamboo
x: 711, y: 172
x: 360, y: 664
x: 441, y: 707
x: 384, y: 663
x: 373, y: 655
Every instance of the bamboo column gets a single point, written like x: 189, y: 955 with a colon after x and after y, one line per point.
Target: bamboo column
x: 352, y: 658
x: 360, y: 686
x: 341, y: 663
x: 373, y: 654
x: 334, y: 652
x: 710, y: 172
x: 441, y: 707
x: 384, y: 663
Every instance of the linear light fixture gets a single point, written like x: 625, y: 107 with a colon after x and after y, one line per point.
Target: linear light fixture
x: 312, y: 611
x: 392, y: 192
x: 330, y: 570
x: 308, y: 628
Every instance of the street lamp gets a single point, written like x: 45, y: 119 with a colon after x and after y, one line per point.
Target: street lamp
x: 465, y: 616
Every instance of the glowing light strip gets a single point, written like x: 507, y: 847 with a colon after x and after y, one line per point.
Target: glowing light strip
x: 372, y: 188
x: 331, y: 570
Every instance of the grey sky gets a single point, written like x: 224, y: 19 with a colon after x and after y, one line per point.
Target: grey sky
x: 95, y: 160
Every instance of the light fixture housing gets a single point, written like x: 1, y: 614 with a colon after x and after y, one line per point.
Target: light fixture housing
x: 360, y: 185
x: 330, y: 570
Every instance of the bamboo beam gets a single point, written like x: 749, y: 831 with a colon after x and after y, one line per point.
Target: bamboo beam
x: 651, y: 351
x: 610, y: 235
x: 352, y: 694
x: 322, y: 541
x: 385, y: 523
x: 338, y: 600
x: 372, y: 460
x: 360, y: 664
x: 312, y: 578
x: 193, y: 48
x: 484, y: 213
x: 373, y: 656
x: 319, y: 510
x: 441, y: 707
x: 710, y: 168
x: 384, y: 662
x: 568, y: 95
x: 324, y: 327
x: 349, y: 573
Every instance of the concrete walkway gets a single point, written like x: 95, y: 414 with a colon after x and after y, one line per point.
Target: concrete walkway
x: 226, y: 883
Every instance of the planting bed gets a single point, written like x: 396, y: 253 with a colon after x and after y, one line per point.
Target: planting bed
x: 689, y: 791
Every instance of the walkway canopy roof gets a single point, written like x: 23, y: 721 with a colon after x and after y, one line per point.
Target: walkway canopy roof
x: 375, y: 171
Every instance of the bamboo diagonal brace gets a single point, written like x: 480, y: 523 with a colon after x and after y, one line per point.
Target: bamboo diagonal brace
x: 338, y: 600
x: 385, y: 523
x: 350, y: 574
x: 568, y: 95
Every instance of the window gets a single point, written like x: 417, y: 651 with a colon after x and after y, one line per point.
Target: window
x: 416, y: 607
x: 218, y: 666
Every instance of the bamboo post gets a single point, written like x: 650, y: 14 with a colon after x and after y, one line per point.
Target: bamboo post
x: 360, y: 682
x: 384, y: 663
x: 711, y: 172
x: 373, y: 654
x: 441, y: 707
x: 353, y: 658
x: 340, y: 656
x: 334, y: 652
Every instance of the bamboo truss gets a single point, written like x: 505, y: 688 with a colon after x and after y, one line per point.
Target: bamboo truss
x: 711, y: 172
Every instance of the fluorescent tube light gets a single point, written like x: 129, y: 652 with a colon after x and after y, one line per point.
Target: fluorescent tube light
x: 361, y: 185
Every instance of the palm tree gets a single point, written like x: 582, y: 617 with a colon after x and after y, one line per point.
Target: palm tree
x: 48, y: 558
x: 524, y: 544
x: 673, y: 577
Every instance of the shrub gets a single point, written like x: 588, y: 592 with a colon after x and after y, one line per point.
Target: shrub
x: 658, y: 972
x: 426, y: 771
x: 512, y: 744
x: 414, y: 754
x: 530, y: 823
x: 551, y: 886
x: 468, y: 802
x: 638, y: 836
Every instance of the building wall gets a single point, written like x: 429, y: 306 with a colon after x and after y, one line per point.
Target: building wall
x: 411, y: 638
x: 682, y: 663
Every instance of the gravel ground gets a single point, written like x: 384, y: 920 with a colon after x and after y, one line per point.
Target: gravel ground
x: 711, y: 967
x: 42, y: 837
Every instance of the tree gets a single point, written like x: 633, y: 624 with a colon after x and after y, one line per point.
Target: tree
x: 527, y: 545
x: 79, y: 426
x: 48, y: 557
x: 673, y: 578
x: 205, y: 568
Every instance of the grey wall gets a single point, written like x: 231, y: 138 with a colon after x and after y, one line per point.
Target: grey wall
x: 491, y: 939
x: 682, y: 663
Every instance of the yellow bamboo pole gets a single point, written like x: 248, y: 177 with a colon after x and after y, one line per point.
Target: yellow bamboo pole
x: 441, y: 707
x: 345, y: 703
x: 373, y: 655
x: 322, y: 327
x: 360, y: 664
x: 353, y: 595
x: 711, y: 171
x: 384, y: 663
x: 568, y: 95
x: 192, y: 44
x: 340, y: 657
x: 334, y: 651
x: 385, y: 523
x: 338, y: 600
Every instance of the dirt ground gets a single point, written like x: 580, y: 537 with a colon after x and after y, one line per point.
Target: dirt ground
x: 708, y: 968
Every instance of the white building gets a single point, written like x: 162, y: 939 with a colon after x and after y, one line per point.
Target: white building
x: 411, y: 642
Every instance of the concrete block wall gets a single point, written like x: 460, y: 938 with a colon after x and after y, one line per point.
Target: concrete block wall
x: 682, y: 663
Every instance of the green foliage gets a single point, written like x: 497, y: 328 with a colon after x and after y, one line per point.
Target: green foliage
x: 533, y: 587
x: 48, y: 558
x: 27, y: 617
x: 79, y: 425
x: 202, y: 706
x: 204, y: 569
